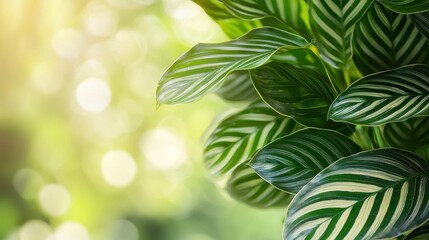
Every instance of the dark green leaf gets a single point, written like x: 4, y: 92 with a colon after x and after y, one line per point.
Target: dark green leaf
x: 420, y: 233
x: 421, y: 21
x: 406, y: 6
x: 238, y: 87
x: 410, y: 134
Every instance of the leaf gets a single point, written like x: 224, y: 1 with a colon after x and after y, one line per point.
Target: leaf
x: 369, y: 137
x: 246, y: 186
x: 421, y: 21
x: 303, y: 94
x: 406, y: 7
x: 370, y: 195
x: 242, y: 134
x: 231, y: 25
x: 410, y: 134
x: 238, y: 87
x: 293, y: 13
x: 332, y: 23
x: 386, y: 40
x: 204, y: 68
x: 389, y: 96
x: 292, y: 161
x: 420, y: 233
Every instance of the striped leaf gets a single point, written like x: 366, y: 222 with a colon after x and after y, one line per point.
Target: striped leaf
x: 204, y: 68
x: 246, y: 186
x: 292, y: 161
x: 293, y: 13
x: 421, y: 21
x: 332, y: 23
x: 238, y: 87
x: 370, y: 195
x: 386, y: 40
x: 231, y: 25
x: 239, y: 136
x: 406, y: 6
x: 410, y: 134
x: 303, y: 94
x: 390, y: 96
x: 420, y: 233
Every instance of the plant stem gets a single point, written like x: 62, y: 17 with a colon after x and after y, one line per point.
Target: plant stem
x: 346, y: 76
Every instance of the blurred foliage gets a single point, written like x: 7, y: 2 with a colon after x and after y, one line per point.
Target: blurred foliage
x: 84, y: 152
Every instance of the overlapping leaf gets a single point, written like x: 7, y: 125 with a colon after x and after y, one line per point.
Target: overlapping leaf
x: 386, y: 40
x: 370, y: 195
x: 410, y: 134
x: 246, y: 186
x: 303, y: 94
x: 238, y: 87
x: 292, y: 161
x: 420, y: 233
x: 293, y: 13
x: 369, y: 137
x: 390, y: 96
x: 239, y: 136
x: 421, y: 21
x: 406, y: 6
x: 332, y: 23
x: 204, y: 68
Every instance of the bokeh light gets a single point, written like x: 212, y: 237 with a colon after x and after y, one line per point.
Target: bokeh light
x: 54, y: 199
x: 68, y: 43
x: 71, y: 231
x: 93, y: 95
x: 35, y: 230
x: 27, y: 183
x: 118, y: 168
x: 99, y: 19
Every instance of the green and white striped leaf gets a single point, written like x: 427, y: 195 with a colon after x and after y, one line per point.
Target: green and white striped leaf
x: 385, y: 40
x: 246, y: 186
x: 376, y: 194
x: 303, y: 94
x: 238, y: 87
x: 406, y: 6
x: 231, y: 25
x: 204, y: 68
x: 292, y: 161
x: 239, y: 136
x: 420, y: 233
x: 332, y: 23
x: 410, y: 134
x: 390, y: 96
x: 421, y: 21
x: 293, y: 13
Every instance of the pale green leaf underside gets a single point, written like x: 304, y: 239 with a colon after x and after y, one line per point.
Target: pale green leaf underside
x: 370, y: 195
x: 389, y: 96
x: 303, y: 94
x: 246, y: 186
x: 385, y: 40
x: 292, y: 161
x: 332, y: 23
x: 406, y: 6
x: 410, y: 134
x: 239, y: 136
x: 204, y: 68
x: 238, y: 87
x: 421, y: 21
x: 293, y: 13
x: 420, y: 233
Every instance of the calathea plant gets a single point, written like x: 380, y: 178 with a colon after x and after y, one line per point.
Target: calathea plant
x: 336, y: 127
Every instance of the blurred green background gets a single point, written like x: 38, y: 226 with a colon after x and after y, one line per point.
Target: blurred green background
x: 84, y: 152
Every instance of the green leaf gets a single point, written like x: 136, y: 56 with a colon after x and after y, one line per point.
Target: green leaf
x: 238, y: 87
x: 420, y: 233
x: 389, y: 96
x: 293, y: 13
x: 239, y: 136
x: 231, y: 25
x: 292, y: 161
x: 369, y: 137
x: 333, y: 23
x: 386, y: 40
x: 406, y: 6
x: 295, y: 91
x: 204, y: 68
x: 410, y: 134
x: 421, y: 21
x: 375, y: 194
x: 246, y: 186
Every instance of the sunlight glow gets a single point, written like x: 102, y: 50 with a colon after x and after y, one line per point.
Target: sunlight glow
x: 71, y: 231
x: 99, y: 19
x: 93, y: 95
x: 35, y: 230
x: 54, y: 199
x: 69, y: 43
x: 118, y: 168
